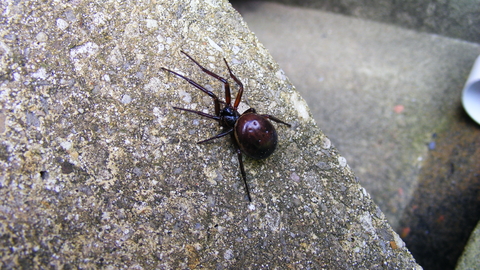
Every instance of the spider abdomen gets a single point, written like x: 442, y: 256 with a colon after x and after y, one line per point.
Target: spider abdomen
x: 255, y: 136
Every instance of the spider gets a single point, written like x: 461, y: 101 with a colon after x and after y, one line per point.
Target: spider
x: 252, y: 134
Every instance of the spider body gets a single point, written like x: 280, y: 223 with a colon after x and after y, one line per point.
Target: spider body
x: 251, y: 133
x: 255, y: 135
x: 229, y: 117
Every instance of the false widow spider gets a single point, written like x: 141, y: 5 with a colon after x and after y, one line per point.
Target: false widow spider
x: 252, y: 134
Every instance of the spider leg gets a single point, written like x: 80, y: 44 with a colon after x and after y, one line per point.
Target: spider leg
x: 240, y: 86
x: 217, y: 136
x: 273, y: 118
x: 250, y: 110
x: 242, y: 170
x: 216, y: 101
x: 214, y: 117
x: 223, y: 80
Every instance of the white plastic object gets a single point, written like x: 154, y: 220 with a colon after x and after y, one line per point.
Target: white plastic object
x: 471, y: 92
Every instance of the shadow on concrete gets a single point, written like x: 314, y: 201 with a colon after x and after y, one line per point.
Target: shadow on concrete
x: 446, y: 205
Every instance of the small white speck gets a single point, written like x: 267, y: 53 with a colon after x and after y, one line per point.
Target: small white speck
x: 242, y: 107
x: 235, y: 61
x: 84, y: 51
x: 280, y: 74
x: 342, y: 161
x: 161, y: 47
x: 160, y: 38
x: 41, y: 37
x: 300, y: 105
x: 66, y: 145
x: 40, y: 74
x: 326, y: 143
x: 398, y: 240
x: 295, y: 177
x: 235, y: 49
x: 185, y: 96
x: 228, y: 255
x: 106, y: 77
x: 126, y: 99
x: 5, y: 48
x: 62, y: 24
x: 211, y: 3
x: 214, y: 45
x: 151, y: 23
x: 99, y: 18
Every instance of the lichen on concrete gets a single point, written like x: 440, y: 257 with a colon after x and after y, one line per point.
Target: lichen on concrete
x: 98, y: 169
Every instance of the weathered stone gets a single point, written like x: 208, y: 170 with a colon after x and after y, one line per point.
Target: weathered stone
x: 100, y: 171
x: 469, y: 258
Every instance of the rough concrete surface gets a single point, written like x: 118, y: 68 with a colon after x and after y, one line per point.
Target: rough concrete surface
x: 470, y: 258
x: 389, y: 99
x: 378, y: 91
x: 98, y: 170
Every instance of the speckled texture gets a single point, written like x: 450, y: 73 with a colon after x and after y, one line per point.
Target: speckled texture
x: 99, y: 171
x: 469, y: 259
